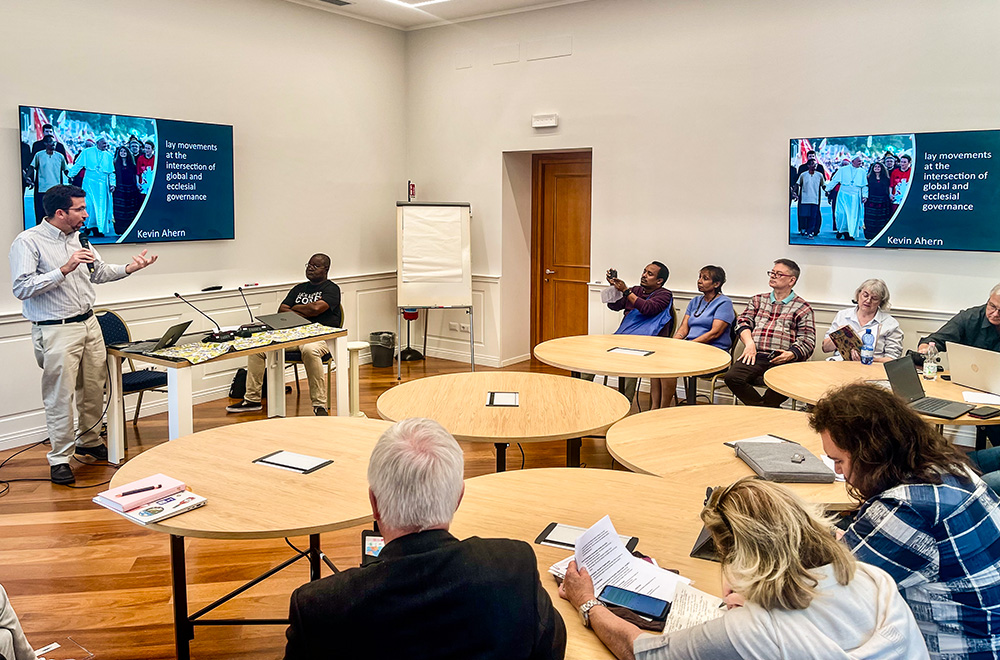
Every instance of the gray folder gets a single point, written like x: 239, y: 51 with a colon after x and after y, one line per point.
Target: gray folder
x: 784, y: 462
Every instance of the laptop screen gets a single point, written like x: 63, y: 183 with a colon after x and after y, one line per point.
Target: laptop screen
x: 904, y: 380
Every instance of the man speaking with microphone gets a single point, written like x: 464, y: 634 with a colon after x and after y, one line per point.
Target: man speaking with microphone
x: 57, y: 295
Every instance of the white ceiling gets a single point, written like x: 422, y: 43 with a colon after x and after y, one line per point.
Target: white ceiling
x: 396, y: 13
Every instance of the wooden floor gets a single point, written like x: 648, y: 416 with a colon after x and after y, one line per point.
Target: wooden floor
x: 73, y: 569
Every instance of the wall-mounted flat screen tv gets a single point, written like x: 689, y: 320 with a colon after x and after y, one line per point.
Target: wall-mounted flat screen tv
x: 926, y: 191
x: 146, y: 180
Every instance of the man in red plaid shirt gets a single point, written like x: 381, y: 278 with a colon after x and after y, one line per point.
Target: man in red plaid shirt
x: 776, y: 327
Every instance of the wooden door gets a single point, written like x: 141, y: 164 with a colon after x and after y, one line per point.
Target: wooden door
x: 560, y: 247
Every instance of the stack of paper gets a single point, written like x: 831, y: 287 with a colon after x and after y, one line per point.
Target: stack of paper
x: 601, y: 551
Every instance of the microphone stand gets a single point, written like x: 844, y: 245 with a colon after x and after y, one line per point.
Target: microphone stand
x: 213, y: 337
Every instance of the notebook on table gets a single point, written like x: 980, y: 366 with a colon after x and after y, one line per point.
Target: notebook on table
x: 906, y: 384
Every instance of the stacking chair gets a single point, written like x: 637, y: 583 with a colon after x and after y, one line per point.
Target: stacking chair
x: 116, y: 331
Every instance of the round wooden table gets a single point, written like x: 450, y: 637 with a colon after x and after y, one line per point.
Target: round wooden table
x: 809, y: 381
x: 252, y: 501
x: 521, y: 503
x: 669, y: 358
x: 550, y: 408
x: 686, y: 444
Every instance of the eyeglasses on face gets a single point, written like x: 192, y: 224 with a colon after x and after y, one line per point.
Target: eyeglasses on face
x: 774, y: 273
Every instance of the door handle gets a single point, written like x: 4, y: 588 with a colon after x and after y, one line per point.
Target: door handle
x: 549, y: 272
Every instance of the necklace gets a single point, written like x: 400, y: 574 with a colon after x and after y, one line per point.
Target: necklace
x: 699, y: 309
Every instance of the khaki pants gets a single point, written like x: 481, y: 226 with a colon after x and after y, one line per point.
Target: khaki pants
x: 312, y: 360
x: 74, y: 364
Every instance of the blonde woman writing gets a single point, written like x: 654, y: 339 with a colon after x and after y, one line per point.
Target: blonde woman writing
x: 792, y: 590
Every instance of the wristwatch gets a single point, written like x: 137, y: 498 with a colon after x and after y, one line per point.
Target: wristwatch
x: 585, y: 610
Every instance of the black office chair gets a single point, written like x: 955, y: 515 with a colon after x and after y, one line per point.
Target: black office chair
x: 293, y: 357
x: 116, y: 331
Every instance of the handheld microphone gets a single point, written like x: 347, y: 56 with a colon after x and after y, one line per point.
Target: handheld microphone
x: 247, y: 329
x: 85, y: 244
x: 219, y: 335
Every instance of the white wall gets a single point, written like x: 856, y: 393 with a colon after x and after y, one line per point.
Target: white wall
x: 315, y: 99
x: 317, y: 105
x: 689, y: 107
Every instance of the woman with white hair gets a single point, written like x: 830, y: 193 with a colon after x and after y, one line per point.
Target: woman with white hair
x: 870, y: 313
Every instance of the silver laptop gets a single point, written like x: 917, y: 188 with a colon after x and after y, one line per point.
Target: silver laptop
x: 168, y: 339
x: 283, y: 320
x: 973, y: 367
x: 906, y: 384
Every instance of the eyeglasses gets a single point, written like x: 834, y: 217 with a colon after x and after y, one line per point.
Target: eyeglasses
x: 313, y: 266
x: 990, y: 307
x: 774, y: 273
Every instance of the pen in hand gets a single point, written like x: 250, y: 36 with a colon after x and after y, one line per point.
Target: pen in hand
x: 139, y: 490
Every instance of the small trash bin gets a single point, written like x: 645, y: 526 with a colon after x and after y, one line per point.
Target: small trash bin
x: 383, y: 347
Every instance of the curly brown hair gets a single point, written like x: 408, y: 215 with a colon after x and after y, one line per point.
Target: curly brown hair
x: 889, y: 444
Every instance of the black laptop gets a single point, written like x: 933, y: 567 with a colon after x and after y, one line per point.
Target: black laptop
x: 168, y: 339
x: 905, y: 384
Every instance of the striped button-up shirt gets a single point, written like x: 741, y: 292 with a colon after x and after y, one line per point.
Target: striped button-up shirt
x: 46, y: 294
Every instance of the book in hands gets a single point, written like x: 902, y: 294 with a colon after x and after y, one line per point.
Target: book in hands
x: 164, y: 508
x: 846, y: 340
x: 139, y: 493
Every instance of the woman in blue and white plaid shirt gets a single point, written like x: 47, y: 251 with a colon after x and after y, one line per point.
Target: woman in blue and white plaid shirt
x: 925, y: 517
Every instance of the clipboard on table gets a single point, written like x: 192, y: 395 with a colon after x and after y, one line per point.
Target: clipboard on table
x: 287, y: 460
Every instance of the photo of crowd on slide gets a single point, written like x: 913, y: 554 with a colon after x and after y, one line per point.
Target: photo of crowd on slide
x: 846, y: 190
x: 112, y: 157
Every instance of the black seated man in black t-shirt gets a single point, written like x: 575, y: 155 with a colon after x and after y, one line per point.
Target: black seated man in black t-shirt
x: 318, y: 300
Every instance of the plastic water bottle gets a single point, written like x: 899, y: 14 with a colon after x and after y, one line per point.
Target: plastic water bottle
x: 930, y: 362
x: 867, y: 347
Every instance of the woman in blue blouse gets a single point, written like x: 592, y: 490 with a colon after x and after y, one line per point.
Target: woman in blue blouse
x: 706, y: 320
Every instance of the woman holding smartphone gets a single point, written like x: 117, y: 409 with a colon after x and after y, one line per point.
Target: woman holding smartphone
x: 792, y: 591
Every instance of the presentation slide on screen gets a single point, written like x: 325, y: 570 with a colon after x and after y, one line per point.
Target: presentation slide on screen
x: 928, y: 191
x: 146, y: 180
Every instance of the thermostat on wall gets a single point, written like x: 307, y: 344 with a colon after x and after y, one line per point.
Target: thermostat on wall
x: 548, y: 120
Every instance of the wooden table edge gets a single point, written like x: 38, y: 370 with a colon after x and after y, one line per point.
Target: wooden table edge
x: 963, y: 420
x: 556, y: 437
x: 259, y: 534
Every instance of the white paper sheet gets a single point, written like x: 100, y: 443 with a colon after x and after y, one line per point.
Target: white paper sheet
x: 981, y: 398
x: 602, y: 553
x: 503, y: 399
x: 292, y: 461
x: 432, y: 245
x: 641, y: 352
x: 691, y: 607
